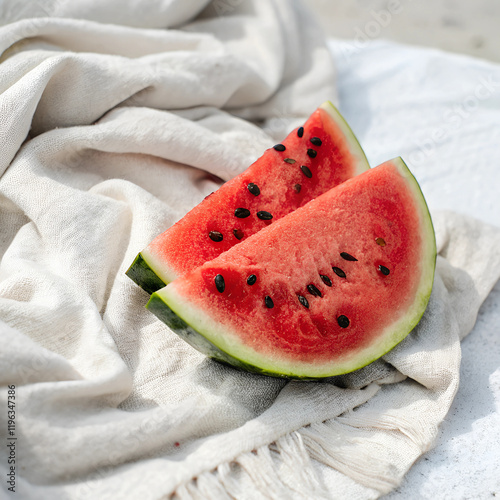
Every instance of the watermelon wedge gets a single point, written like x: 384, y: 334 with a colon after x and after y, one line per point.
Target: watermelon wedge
x: 324, y: 291
x: 311, y: 160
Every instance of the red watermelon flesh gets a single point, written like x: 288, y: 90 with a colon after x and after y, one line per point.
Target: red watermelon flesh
x: 338, y: 282
x: 311, y: 160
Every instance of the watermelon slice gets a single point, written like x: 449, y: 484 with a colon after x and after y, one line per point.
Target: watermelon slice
x: 324, y: 291
x: 311, y: 160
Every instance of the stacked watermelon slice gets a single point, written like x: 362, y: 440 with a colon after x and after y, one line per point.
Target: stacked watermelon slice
x: 307, y: 265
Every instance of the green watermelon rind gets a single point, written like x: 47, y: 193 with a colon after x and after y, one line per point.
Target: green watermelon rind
x: 151, y: 274
x: 141, y: 273
x: 354, y: 146
x: 168, y: 316
x: 209, y: 337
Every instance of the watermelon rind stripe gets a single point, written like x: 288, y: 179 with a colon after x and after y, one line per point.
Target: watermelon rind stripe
x: 397, y: 331
x: 217, y: 341
x: 162, y: 310
x: 142, y: 274
x: 164, y: 272
x: 211, y: 338
x: 354, y: 146
x: 429, y: 251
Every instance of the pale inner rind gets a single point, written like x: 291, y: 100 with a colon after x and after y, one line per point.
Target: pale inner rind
x: 164, y: 272
x: 354, y: 146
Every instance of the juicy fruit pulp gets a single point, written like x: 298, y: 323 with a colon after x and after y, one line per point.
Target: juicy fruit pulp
x: 311, y: 160
x: 324, y: 291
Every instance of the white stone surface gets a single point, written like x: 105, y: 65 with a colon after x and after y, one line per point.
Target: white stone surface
x: 465, y: 464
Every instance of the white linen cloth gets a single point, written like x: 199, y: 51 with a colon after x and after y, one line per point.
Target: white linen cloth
x: 110, y: 133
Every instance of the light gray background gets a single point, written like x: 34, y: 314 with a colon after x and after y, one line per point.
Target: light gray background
x: 464, y: 26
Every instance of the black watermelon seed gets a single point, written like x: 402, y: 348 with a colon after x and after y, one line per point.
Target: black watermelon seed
x: 303, y: 301
x: 297, y: 188
x: 269, y: 302
x: 279, y: 147
x: 347, y: 256
x: 242, y: 213
x: 338, y: 272
x: 312, y: 153
x: 300, y: 131
x: 314, y: 291
x: 254, y: 189
x: 306, y: 171
x: 326, y: 280
x: 290, y: 160
x: 384, y: 270
x: 238, y: 234
x: 380, y: 241
x: 220, y: 283
x: 215, y: 236
x: 316, y: 141
x: 251, y: 279
x: 343, y: 321
x: 264, y: 215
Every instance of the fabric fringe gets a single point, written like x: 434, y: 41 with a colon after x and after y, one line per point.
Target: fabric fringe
x: 284, y: 469
x: 333, y: 445
x: 279, y: 471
